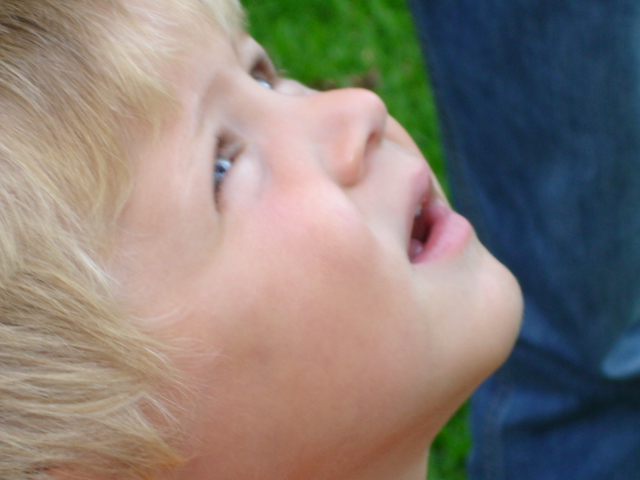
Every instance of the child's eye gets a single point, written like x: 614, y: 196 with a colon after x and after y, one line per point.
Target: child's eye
x: 221, y: 168
x: 263, y: 81
x: 264, y: 72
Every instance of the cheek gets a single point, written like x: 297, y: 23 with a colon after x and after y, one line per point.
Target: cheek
x: 298, y: 349
x: 309, y: 297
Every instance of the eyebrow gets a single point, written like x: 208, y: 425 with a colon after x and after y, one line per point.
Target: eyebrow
x: 257, y: 57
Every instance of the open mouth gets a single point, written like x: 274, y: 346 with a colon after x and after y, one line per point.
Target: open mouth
x: 437, y: 231
x: 420, y: 231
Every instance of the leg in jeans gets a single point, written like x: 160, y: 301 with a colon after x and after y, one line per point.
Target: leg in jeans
x: 539, y: 105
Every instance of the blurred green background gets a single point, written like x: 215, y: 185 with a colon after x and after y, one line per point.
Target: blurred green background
x: 371, y: 44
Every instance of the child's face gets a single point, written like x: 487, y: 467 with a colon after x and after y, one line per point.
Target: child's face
x: 308, y: 321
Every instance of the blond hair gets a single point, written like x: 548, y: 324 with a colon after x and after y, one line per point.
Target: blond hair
x: 79, y: 382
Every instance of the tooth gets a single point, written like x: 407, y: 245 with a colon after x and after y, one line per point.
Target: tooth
x: 418, y: 211
x: 415, y: 249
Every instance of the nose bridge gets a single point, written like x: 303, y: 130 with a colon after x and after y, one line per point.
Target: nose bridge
x: 351, y: 123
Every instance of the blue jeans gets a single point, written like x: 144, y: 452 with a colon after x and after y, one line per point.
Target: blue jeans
x: 539, y: 104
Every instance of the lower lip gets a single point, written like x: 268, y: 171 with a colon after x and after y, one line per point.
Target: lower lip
x: 449, y: 234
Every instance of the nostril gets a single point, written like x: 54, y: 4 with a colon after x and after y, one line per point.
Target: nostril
x: 349, y: 170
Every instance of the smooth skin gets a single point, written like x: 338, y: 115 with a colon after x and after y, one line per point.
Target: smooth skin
x: 315, y: 346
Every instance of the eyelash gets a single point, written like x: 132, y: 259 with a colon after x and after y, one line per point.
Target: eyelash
x: 226, y: 153
x: 221, y: 168
x: 264, y: 82
x: 265, y: 75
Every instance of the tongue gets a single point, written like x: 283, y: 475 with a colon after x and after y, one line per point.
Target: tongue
x: 415, y: 248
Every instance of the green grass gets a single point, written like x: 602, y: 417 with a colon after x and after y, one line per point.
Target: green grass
x: 371, y: 44
x: 450, y: 449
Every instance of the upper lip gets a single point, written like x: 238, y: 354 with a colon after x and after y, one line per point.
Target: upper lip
x: 422, y: 193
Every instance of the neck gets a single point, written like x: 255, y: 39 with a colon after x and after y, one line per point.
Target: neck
x: 393, y: 462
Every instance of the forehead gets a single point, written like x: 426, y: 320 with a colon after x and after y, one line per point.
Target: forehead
x: 170, y: 31
x: 173, y: 24
x: 227, y: 14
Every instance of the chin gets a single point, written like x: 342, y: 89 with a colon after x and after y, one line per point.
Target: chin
x: 504, y: 303
x: 487, y: 328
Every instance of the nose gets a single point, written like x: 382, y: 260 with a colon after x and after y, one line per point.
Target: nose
x: 350, y: 124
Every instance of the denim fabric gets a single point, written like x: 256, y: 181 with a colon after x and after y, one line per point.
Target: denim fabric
x: 539, y: 104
